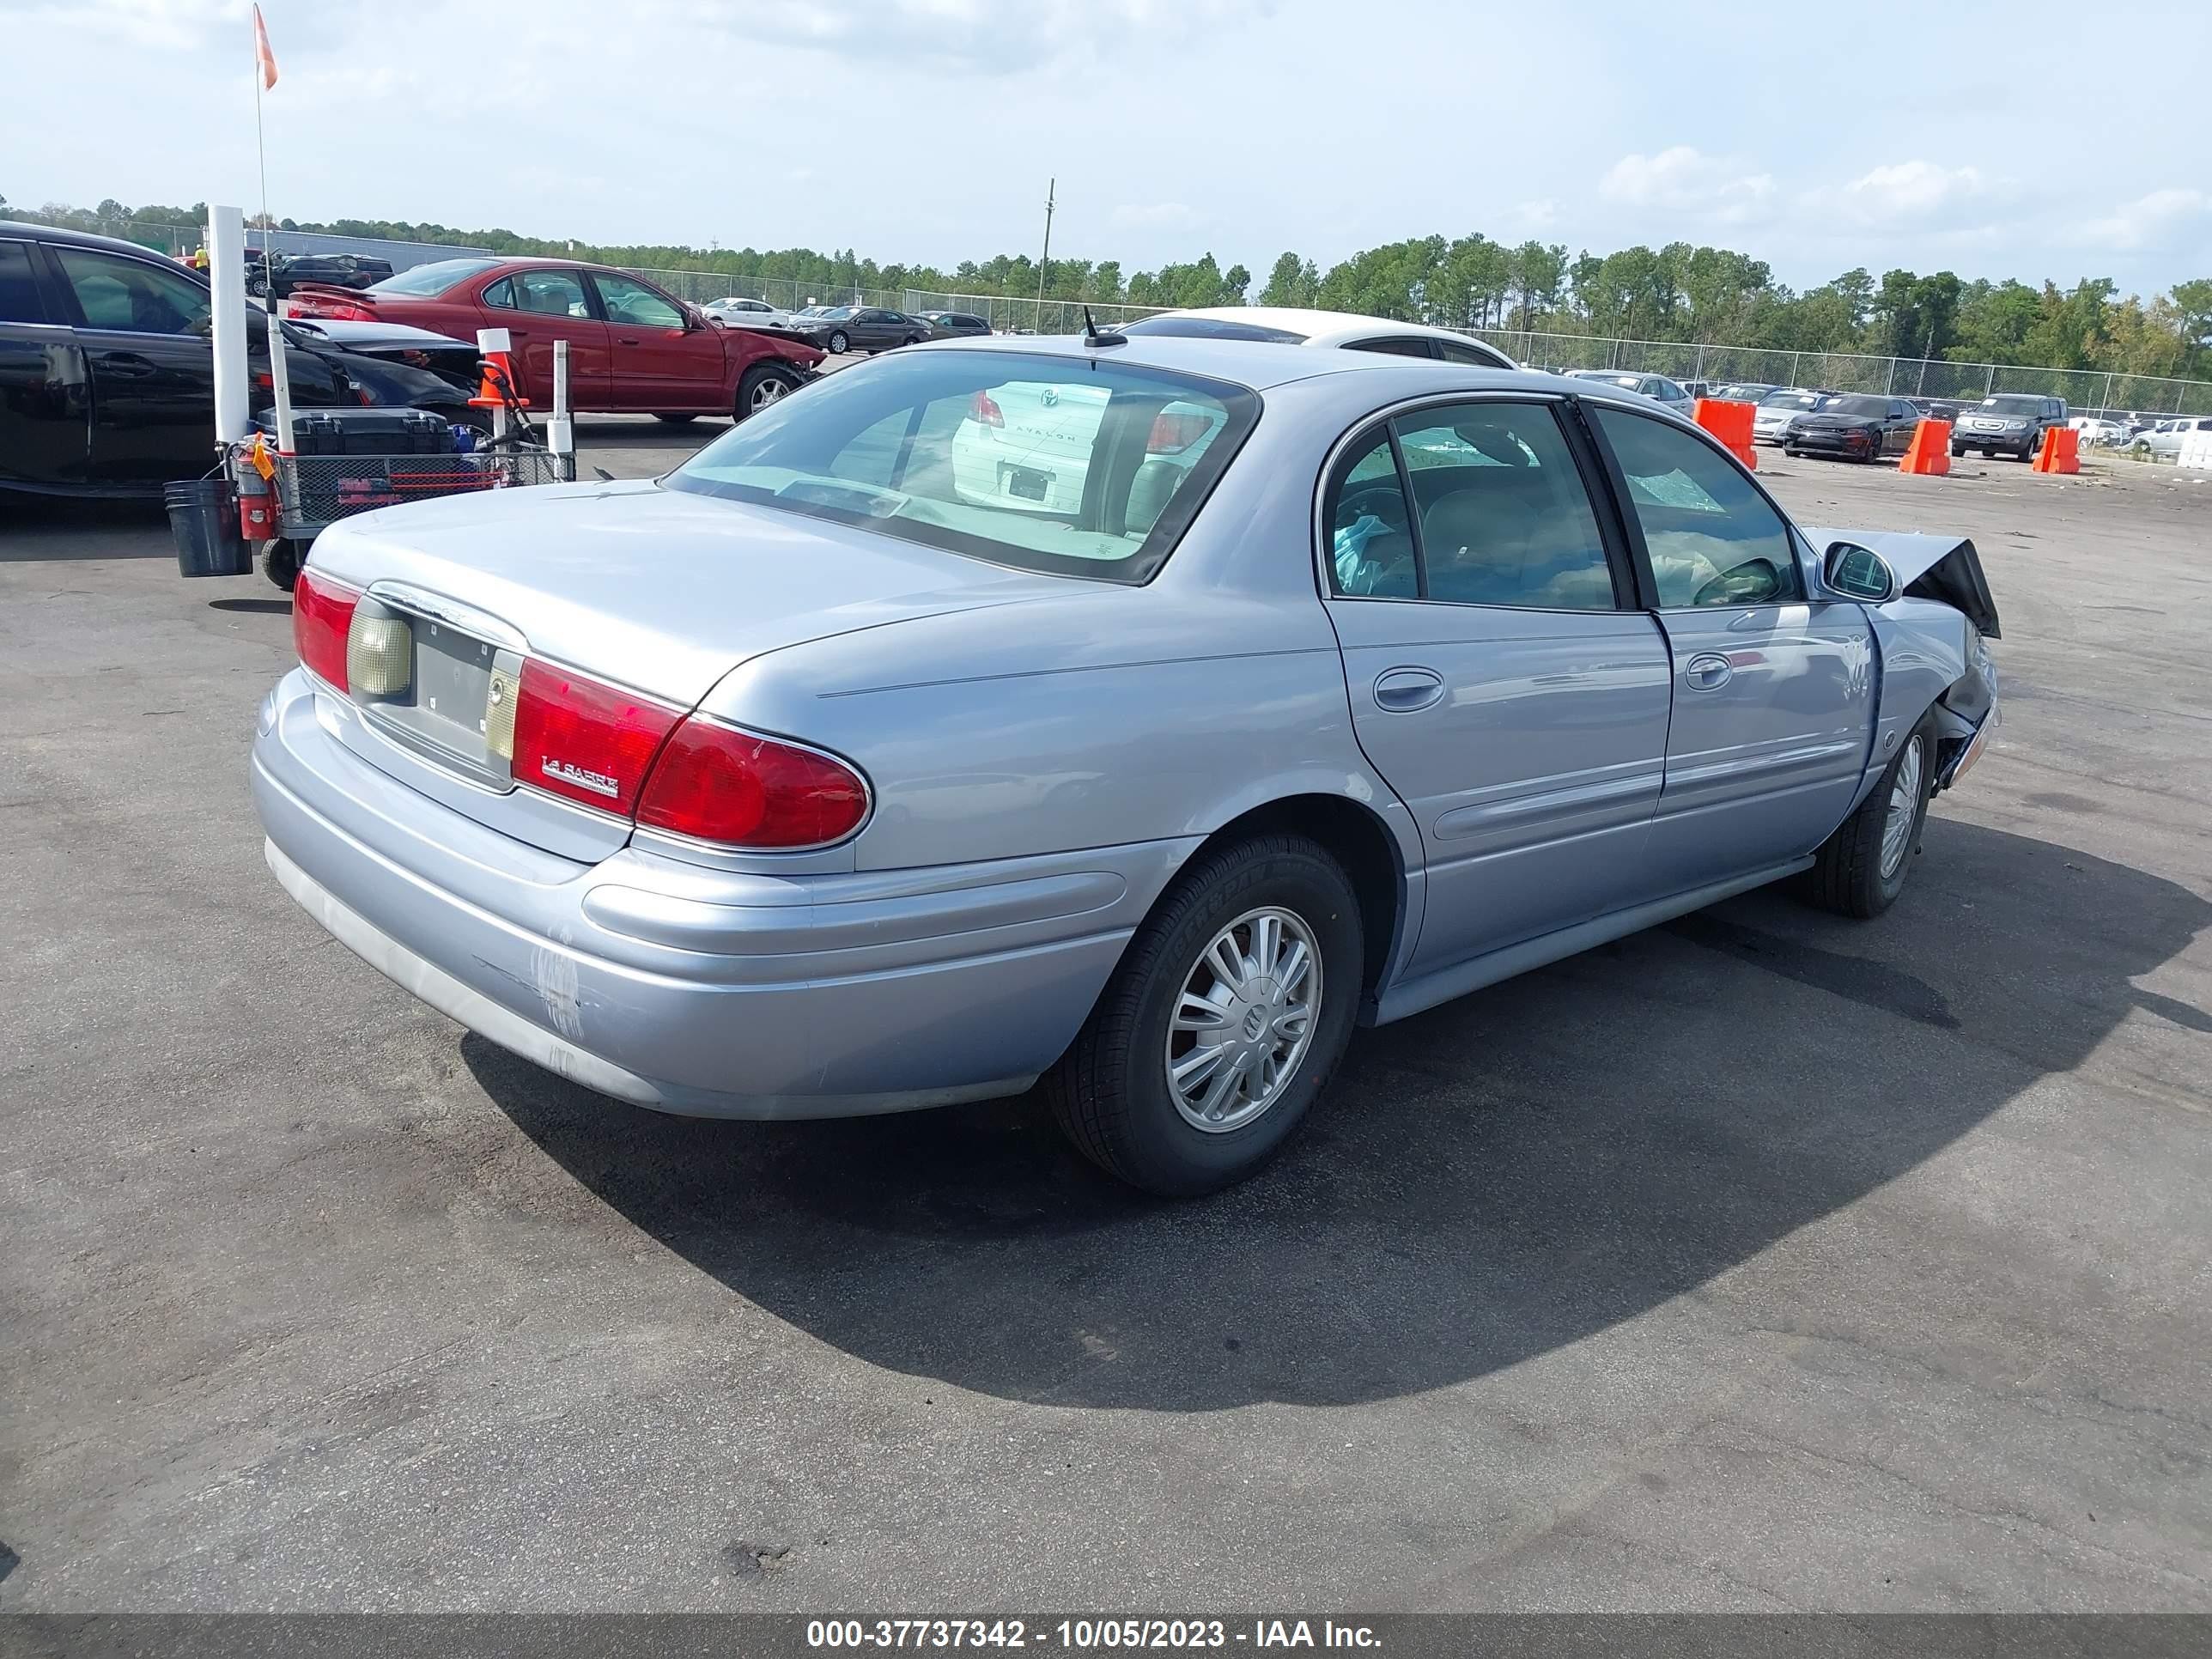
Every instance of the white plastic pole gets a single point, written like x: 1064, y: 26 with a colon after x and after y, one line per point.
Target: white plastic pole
x: 227, y: 272
x: 561, y: 431
x: 280, y: 383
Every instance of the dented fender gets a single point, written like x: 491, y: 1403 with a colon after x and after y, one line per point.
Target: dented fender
x: 1931, y: 641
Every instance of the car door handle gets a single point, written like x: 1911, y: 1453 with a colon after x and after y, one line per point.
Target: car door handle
x: 1709, y: 672
x: 1404, y: 690
x: 624, y: 339
x: 128, y: 364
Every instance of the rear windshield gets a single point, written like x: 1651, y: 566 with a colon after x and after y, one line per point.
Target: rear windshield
x: 1212, y: 328
x: 422, y: 281
x: 1067, y: 465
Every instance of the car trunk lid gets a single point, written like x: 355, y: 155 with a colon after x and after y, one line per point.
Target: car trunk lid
x: 652, y: 591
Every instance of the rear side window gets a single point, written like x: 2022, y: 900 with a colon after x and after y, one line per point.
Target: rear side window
x: 1395, y: 346
x: 19, y: 286
x: 1479, y: 504
x: 550, y: 294
x: 1713, y: 539
x: 1065, y: 466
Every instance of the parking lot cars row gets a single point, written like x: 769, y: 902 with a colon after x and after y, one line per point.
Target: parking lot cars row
x: 107, y: 369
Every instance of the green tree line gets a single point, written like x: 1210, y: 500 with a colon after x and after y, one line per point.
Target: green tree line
x: 1680, y: 292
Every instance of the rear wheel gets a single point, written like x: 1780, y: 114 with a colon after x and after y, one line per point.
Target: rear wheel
x: 762, y: 385
x: 1860, y: 870
x: 840, y: 343
x: 281, y: 561
x: 1229, y: 1012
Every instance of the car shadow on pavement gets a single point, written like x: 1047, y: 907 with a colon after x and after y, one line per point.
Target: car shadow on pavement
x: 1487, y: 1182
x: 35, y: 528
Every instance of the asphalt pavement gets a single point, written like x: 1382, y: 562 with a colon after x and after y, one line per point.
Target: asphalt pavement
x: 1764, y: 1261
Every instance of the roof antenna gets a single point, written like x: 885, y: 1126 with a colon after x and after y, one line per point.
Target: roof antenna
x: 1095, y: 336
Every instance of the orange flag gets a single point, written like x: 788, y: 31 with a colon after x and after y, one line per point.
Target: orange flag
x: 264, y: 60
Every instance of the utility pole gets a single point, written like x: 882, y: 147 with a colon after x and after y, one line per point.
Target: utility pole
x: 1044, y: 261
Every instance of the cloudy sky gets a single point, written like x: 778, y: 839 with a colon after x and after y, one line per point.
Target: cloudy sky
x: 2035, y: 141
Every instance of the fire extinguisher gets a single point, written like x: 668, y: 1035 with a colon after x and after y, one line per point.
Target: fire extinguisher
x: 257, y: 506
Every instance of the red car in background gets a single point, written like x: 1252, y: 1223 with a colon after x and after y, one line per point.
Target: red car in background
x: 632, y: 348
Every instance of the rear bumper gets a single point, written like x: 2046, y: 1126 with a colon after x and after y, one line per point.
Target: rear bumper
x: 705, y: 992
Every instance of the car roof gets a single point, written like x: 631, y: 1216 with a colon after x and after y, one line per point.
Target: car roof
x: 10, y: 227
x: 1321, y: 328
x: 1262, y: 365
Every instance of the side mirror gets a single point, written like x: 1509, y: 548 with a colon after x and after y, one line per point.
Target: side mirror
x: 1858, y: 573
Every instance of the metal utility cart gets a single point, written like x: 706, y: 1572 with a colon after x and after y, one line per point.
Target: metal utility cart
x: 320, y: 471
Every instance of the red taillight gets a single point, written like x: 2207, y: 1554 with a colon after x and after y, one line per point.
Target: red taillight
x: 322, y: 614
x: 983, y: 409
x: 1172, y: 432
x: 714, y: 783
x: 584, y: 740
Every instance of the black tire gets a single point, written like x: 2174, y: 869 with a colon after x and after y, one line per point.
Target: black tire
x: 839, y: 342
x: 2027, y: 454
x: 756, y: 381
x: 1792, y: 453
x: 1847, y: 875
x: 281, y: 561
x: 1958, y: 451
x: 912, y: 339
x: 1110, y: 1092
x: 676, y: 420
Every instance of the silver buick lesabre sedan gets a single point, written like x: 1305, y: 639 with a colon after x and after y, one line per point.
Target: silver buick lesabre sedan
x: 1139, y: 715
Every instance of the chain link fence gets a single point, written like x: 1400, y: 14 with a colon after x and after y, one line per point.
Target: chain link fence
x: 2089, y: 391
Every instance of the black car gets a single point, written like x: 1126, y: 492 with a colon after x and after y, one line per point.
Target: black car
x: 954, y: 324
x: 107, y: 368
x: 1855, y: 427
x: 840, y: 329
x: 283, y: 272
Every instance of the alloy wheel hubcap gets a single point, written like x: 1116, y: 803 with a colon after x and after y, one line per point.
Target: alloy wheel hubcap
x: 1904, y: 806
x: 768, y: 391
x: 1243, y: 1020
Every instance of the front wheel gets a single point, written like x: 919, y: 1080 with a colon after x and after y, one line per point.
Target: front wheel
x: 1227, y: 1015
x: 762, y: 385
x: 1860, y: 870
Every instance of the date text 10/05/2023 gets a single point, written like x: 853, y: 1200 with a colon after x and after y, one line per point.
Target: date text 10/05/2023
x: 1086, y: 1635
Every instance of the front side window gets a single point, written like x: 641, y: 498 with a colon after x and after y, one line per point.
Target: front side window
x: 1064, y: 465
x: 633, y: 302
x: 1491, y: 510
x: 551, y: 293
x: 1713, y: 539
x: 132, y: 297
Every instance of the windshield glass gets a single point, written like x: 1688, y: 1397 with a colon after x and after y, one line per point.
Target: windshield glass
x: 1844, y: 404
x: 1067, y: 465
x: 2014, y: 404
x: 1790, y: 400
x: 834, y: 313
x: 422, y: 281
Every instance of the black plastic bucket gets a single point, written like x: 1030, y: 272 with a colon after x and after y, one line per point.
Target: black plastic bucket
x: 203, y: 522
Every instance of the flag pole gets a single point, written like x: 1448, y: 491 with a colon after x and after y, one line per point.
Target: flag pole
x: 261, y: 160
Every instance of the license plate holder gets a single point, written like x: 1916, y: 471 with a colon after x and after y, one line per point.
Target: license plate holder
x: 1029, y: 484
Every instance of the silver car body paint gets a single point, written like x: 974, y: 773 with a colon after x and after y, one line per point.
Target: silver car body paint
x: 1045, y: 754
